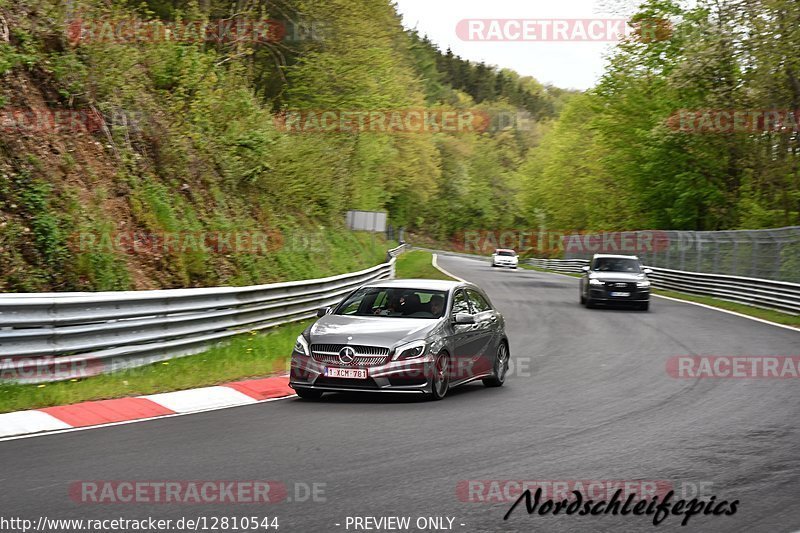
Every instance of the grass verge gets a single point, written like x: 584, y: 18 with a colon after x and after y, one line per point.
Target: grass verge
x: 757, y: 312
x: 249, y: 355
x: 418, y: 264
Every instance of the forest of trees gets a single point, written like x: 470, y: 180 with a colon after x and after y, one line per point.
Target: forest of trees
x: 619, y: 158
x: 205, y: 150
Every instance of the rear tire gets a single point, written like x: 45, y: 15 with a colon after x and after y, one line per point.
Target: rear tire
x: 441, y: 377
x: 500, y: 367
x: 308, y: 394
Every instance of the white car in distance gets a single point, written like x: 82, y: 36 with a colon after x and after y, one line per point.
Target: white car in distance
x: 503, y: 257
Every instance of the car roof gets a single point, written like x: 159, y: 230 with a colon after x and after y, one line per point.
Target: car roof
x: 425, y: 284
x: 616, y: 256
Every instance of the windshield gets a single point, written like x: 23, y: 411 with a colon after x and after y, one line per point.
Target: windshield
x: 616, y: 264
x: 506, y: 252
x: 404, y: 303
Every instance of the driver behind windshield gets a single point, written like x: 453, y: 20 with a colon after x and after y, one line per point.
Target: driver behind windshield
x: 616, y: 265
x: 393, y: 305
x: 437, y: 305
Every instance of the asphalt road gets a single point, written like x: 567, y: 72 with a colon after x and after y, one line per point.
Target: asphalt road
x: 588, y: 399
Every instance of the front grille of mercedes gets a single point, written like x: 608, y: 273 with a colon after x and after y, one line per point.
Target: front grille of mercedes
x: 365, y: 355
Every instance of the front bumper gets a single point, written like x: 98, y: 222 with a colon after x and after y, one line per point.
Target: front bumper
x: 505, y: 263
x: 410, y: 376
x: 603, y: 295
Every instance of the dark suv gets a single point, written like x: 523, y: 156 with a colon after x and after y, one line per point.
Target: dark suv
x: 615, y: 279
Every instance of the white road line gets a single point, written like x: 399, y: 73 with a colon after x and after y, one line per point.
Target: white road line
x: 763, y: 321
x: 445, y: 272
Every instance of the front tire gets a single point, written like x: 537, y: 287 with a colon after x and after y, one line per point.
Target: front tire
x: 308, y: 394
x: 644, y: 306
x: 500, y: 367
x: 441, y: 377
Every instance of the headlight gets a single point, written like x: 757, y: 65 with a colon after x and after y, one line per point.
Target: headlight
x: 593, y: 281
x: 411, y: 350
x: 643, y: 284
x: 301, y: 346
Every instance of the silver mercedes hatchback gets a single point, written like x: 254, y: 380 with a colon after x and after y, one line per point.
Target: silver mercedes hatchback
x: 406, y: 336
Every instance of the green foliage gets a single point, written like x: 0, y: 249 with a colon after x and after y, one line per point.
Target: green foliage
x: 191, y: 144
x: 23, y: 53
x: 47, y: 228
x: 615, y: 158
x: 418, y: 265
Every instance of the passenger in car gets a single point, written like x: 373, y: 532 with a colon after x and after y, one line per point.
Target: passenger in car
x: 437, y: 305
x: 410, y: 303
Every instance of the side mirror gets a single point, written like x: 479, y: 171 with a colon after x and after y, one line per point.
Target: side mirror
x: 464, y: 318
x: 322, y: 312
x: 647, y: 271
x: 585, y: 268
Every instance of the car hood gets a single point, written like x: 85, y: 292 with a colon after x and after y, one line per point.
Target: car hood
x: 617, y: 276
x: 370, y: 331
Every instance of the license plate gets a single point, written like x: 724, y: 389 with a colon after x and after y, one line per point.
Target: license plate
x: 351, y: 373
x: 620, y: 294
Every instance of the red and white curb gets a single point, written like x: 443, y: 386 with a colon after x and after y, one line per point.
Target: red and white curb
x: 121, y: 410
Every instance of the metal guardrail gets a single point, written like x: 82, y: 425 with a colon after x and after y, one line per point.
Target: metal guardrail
x: 569, y: 266
x: 768, y: 294
x: 763, y: 254
x: 58, y: 336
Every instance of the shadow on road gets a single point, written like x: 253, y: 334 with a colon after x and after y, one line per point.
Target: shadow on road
x: 347, y: 398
